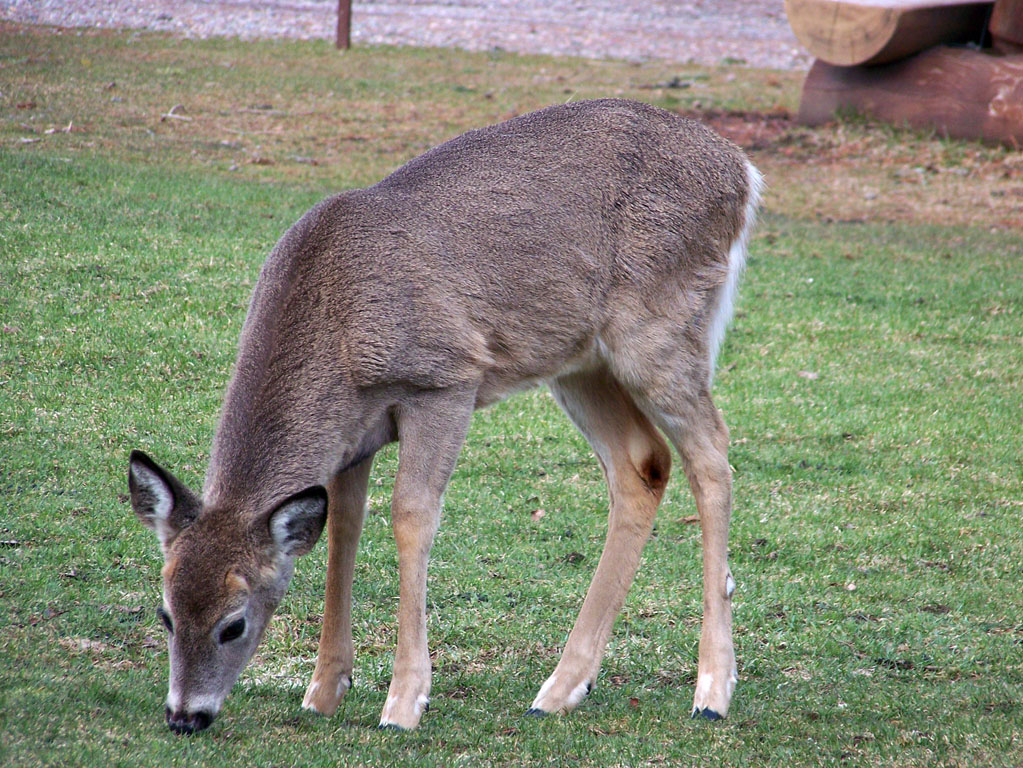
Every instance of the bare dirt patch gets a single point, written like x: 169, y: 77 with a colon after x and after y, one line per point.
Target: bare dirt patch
x: 751, y: 130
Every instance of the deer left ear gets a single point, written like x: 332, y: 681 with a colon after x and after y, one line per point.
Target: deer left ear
x: 160, y: 500
x: 297, y: 522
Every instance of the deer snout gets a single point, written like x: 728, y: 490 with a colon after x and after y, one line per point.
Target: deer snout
x: 181, y: 721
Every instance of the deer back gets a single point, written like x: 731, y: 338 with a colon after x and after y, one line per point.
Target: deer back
x: 495, y: 259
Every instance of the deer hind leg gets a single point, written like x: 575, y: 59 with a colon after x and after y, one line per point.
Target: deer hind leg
x: 346, y: 506
x: 431, y: 430
x: 636, y: 464
x: 695, y: 427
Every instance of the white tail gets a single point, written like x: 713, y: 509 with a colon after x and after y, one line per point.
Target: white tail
x: 736, y: 265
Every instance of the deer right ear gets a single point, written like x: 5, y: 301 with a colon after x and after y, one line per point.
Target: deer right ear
x: 160, y: 500
x: 296, y: 524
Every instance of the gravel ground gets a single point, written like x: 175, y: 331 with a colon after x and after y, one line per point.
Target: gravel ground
x: 702, y: 31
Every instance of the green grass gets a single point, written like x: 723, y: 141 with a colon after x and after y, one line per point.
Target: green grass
x: 871, y: 380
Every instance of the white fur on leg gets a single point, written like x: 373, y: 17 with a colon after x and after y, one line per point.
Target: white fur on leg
x: 714, y: 697
x: 571, y: 701
x: 422, y: 703
x: 386, y: 715
x: 548, y: 684
x: 343, y: 685
x: 703, y: 685
x: 393, y: 717
x: 577, y: 694
x: 307, y: 702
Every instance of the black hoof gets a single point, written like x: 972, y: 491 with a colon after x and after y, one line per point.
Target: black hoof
x: 188, y: 723
x: 534, y: 712
x: 706, y: 714
x: 391, y: 727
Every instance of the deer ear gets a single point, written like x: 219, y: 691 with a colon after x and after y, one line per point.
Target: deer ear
x: 297, y: 522
x: 161, y: 501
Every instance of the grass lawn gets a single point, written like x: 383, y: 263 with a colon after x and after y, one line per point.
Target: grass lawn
x: 872, y: 380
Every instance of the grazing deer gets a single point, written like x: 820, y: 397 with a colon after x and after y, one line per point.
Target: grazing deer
x: 594, y: 246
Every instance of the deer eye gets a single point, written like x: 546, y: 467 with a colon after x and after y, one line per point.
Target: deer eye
x: 161, y: 614
x: 232, y: 631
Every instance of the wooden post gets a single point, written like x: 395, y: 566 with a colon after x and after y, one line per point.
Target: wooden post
x: 344, y: 24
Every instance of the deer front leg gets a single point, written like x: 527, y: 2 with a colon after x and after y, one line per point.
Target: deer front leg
x: 431, y: 429
x: 346, y: 508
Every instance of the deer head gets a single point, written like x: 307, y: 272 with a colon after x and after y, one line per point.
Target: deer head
x: 223, y: 577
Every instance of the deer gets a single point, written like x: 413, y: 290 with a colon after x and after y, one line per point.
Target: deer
x: 594, y: 246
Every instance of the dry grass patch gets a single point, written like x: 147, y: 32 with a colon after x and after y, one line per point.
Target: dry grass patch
x: 300, y: 111
x: 861, y: 171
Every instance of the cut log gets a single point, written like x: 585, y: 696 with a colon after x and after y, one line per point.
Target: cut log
x: 1006, y: 26
x: 851, y: 32
x: 958, y: 92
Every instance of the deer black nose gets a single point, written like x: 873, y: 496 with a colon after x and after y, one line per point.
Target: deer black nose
x: 188, y: 722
